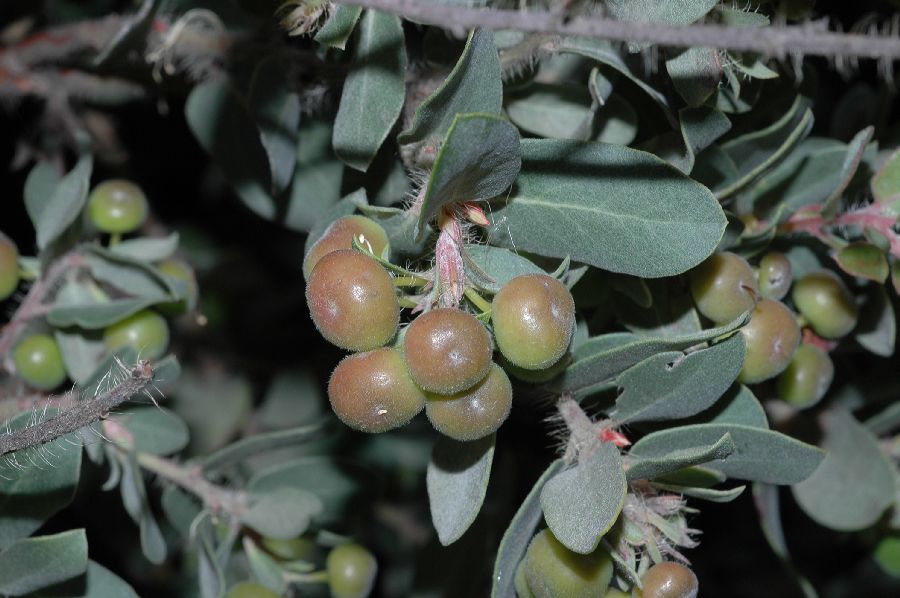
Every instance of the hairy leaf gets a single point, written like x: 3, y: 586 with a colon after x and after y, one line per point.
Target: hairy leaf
x: 35, y: 563
x: 654, y: 467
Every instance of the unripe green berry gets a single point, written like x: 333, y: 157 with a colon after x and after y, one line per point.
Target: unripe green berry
x: 775, y: 276
x: 533, y: 317
x: 724, y: 286
x: 117, y: 206
x: 248, y: 589
x: 9, y: 267
x: 340, y: 235
x: 447, y: 351
x: 373, y: 392
x: 146, y: 332
x: 772, y: 336
x: 824, y: 300
x: 807, y: 378
x: 39, y: 362
x: 352, y: 301
x: 293, y: 549
x: 669, y: 580
x: 554, y: 571
x: 475, y: 412
x: 351, y: 571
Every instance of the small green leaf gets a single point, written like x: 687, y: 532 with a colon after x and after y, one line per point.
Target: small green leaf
x: 863, y: 260
x: 885, y: 183
x: 262, y: 443
x: 35, y: 563
x: 147, y: 249
x: 82, y: 351
x: 127, y: 274
x: 64, y: 205
x: 856, y: 150
x: 153, y: 430
x: 282, y: 512
x: 266, y: 570
x: 276, y: 109
x: 695, y: 73
x: 457, y: 480
x: 582, y: 503
x: 39, y: 188
x: 100, y: 315
x: 651, y: 468
x: 335, y: 32
x: 854, y: 484
x: 374, y: 90
x: 709, y: 494
x: 134, y: 499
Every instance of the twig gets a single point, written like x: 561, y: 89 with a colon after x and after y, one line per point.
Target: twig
x: 809, y: 220
x: 191, y: 479
x: 777, y: 41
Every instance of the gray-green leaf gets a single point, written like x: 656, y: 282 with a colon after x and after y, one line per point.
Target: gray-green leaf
x: 65, y: 204
x: 35, y: 563
x: 654, y: 467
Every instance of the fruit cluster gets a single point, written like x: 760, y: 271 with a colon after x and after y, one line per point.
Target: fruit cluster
x: 726, y: 285
x: 442, y: 361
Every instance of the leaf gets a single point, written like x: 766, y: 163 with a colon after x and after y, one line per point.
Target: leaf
x: 885, y: 183
x: 854, y: 156
x: 154, y: 430
x: 276, y: 109
x: 709, y: 494
x: 318, y: 178
x: 673, y: 385
x: 344, y: 207
x: 374, y: 90
x: 30, y: 496
x: 695, y: 73
x: 209, y: 571
x: 97, y: 582
x: 82, y: 351
x: 282, y: 513
x: 134, y: 499
x: 260, y: 443
x: 335, y: 32
x: 854, y: 484
x: 877, y: 328
x: 759, y: 455
x: 651, y: 468
x: 683, y: 12
x: 478, y: 160
x: 265, y: 569
x: 698, y: 129
x: 147, y: 249
x: 64, y: 205
x: 739, y: 406
x: 457, y: 480
x: 863, y: 260
x: 502, y: 265
x: 127, y: 274
x: 558, y: 111
x: 39, y: 187
x: 100, y: 315
x: 35, y: 563
x: 180, y: 508
x: 609, y: 206
x: 656, y: 308
x: 582, y: 503
x: 518, y: 535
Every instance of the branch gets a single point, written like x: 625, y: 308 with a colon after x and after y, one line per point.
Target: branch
x: 191, y: 479
x: 776, y: 41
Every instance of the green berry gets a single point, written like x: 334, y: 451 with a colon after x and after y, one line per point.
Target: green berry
x: 475, y: 412
x: 775, y: 276
x: 340, y: 235
x: 117, y: 206
x: 533, y: 317
x: 352, y: 301
x: 9, y: 267
x: 294, y: 549
x: 723, y: 287
x: 447, y: 351
x: 248, y: 589
x: 772, y: 336
x: 554, y: 571
x: 373, y: 392
x: 351, y: 571
x: 669, y: 580
x: 146, y: 332
x: 39, y: 362
x: 824, y: 300
x: 807, y: 378
x: 181, y: 272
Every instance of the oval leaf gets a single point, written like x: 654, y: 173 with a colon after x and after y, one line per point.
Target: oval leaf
x: 653, y: 467
x: 864, y: 260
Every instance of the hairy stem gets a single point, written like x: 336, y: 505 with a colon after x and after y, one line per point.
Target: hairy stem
x: 191, y: 479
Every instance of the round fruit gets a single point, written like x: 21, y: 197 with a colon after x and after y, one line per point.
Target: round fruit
x: 772, y: 337
x: 554, y: 571
x: 146, y: 332
x: 669, y: 580
x: 9, y: 267
x: 352, y: 301
x: 117, y: 206
x: 807, y: 378
x: 475, y: 412
x: 340, y: 235
x: 447, y: 351
x: 533, y: 317
x: 293, y: 549
x: 184, y: 274
x: 373, y: 392
x: 247, y: 589
x: 824, y: 300
x: 723, y: 286
x: 39, y: 362
x: 775, y: 276
x: 351, y: 571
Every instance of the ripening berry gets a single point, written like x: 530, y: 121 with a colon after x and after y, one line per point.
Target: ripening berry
x: 772, y: 336
x: 340, y: 235
x: 807, y: 378
x: 723, y: 287
x: 825, y: 301
x: 249, y: 589
x: 9, y: 267
x: 669, y: 580
x: 351, y: 571
x: 775, y: 276
x: 117, y: 206
x: 146, y: 332
x: 447, y: 350
x: 352, y: 301
x: 373, y: 392
x: 554, y: 571
x: 475, y: 412
x: 533, y: 317
x: 39, y: 362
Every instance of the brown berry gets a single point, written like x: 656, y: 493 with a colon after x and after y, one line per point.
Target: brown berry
x: 340, y: 235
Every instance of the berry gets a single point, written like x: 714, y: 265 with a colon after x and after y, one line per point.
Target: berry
x: 352, y: 301
x: 824, y: 300
x: 373, y: 392
x: 351, y: 571
x: 775, y: 276
x: 340, y: 235
x: 447, y: 351
x: 146, y: 332
x: 669, y: 580
x: 533, y: 317
x: 183, y: 274
x: 807, y: 378
x: 723, y: 287
x: 117, y: 206
x: 772, y: 337
x: 473, y: 413
x: 39, y: 362
x: 554, y: 571
x: 248, y: 589
x: 293, y: 549
x: 9, y: 267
